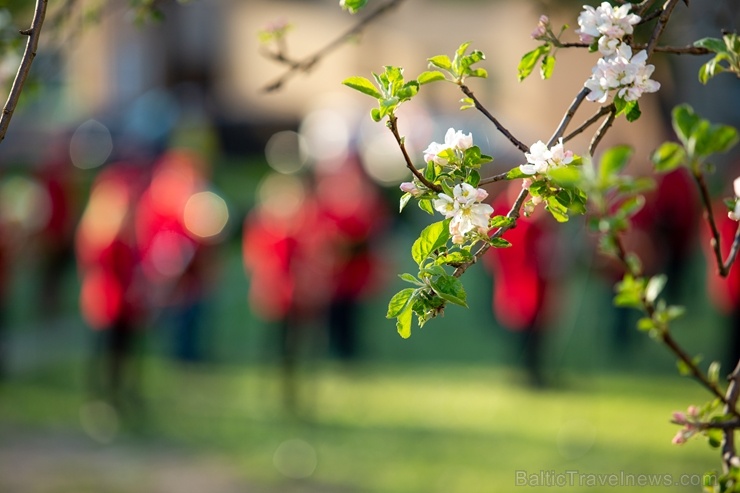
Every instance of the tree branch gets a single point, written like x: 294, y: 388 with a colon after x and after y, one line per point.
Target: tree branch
x: 729, y: 455
x: 660, y: 26
x: 519, y: 145
x: 569, y: 115
x: 709, y: 216
x: 307, y: 63
x: 24, y: 68
x: 602, y: 130
x: 393, y: 126
x: 494, y: 178
x: 603, y: 111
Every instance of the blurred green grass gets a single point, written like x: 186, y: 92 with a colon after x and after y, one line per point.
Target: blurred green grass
x: 394, y: 428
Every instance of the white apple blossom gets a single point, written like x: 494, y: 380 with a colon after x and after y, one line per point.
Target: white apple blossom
x: 454, y: 140
x: 465, y: 210
x: 735, y: 214
x: 540, y: 158
x: 606, y: 21
x: 623, y: 71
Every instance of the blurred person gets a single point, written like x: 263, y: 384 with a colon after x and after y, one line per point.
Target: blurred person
x: 174, y: 226
x: 352, y: 216
x: 522, y: 276
x: 286, y: 262
x: 113, y: 292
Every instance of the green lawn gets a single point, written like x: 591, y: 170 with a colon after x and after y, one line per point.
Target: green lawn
x: 395, y: 428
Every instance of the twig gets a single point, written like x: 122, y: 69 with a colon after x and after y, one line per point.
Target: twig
x: 709, y: 216
x: 305, y: 64
x: 521, y: 146
x: 733, y: 251
x: 602, y: 131
x: 393, y: 126
x: 603, y: 111
x: 494, y: 178
x: 25, y: 66
x: 733, y: 392
x: 676, y: 50
x: 660, y: 26
x: 569, y: 115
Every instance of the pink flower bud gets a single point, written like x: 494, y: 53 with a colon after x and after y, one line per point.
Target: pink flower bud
x: 680, y: 418
x: 679, y: 438
x: 693, y: 411
x: 481, y: 195
x: 411, y: 188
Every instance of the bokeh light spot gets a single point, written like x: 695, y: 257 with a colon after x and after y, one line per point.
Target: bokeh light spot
x: 206, y: 214
x: 295, y: 459
x: 90, y: 145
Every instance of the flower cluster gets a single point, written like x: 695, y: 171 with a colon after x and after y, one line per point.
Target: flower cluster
x: 465, y: 210
x: 455, y: 141
x: 628, y: 74
x: 607, y: 24
x: 735, y: 213
x: 689, y: 428
x: 540, y: 158
x: 541, y: 30
x: 618, y: 69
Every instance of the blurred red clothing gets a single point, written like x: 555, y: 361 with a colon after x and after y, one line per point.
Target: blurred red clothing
x: 107, y: 255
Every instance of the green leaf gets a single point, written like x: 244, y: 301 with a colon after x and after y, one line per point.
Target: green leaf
x: 375, y: 115
x: 427, y: 206
x: 713, y: 371
x: 467, y: 103
x: 529, y: 61
x: 450, y: 288
x: 669, y: 156
x: 409, y: 278
x: 565, y: 176
x: 353, y: 6
x: 613, y: 161
x: 557, y: 209
x: 646, y: 324
x: 515, y: 173
x: 723, y: 137
x: 431, y: 238
x: 404, y: 201
x: 684, y: 122
x: 363, y: 85
x: 712, y: 44
x: 430, y: 76
x: 501, y: 222
x: 457, y: 257
x: 441, y: 61
x: 403, y: 323
x: 548, y: 65
x: 498, y: 242
x: 399, y: 302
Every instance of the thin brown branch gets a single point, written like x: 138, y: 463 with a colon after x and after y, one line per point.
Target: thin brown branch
x: 519, y: 145
x: 494, y: 178
x: 569, y: 115
x: 24, y: 68
x: 307, y: 63
x: 665, y: 15
x: 715, y: 242
x: 676, y: 50
x: 602, y: 131
x: 733, y: 251
x: 603, y: 111
x: 729, y: 453
x: 393, y: 126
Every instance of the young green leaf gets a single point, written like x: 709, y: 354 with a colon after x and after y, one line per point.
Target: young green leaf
x: 363, y: 85
x: 547, y: 67
x: 613, y: 161
x: 669, y: 156
x: 430, y: 76
x: 399, y: 302
x: 403, y: 323
x: 529, y: 61
x: 431, y: 238
x: 353, y: 6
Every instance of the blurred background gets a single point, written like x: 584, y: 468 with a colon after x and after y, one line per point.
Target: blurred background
x: 194, y: 272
